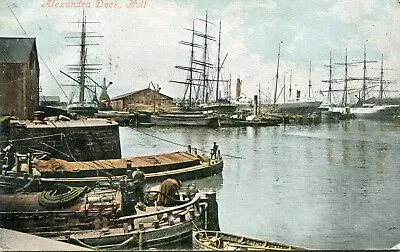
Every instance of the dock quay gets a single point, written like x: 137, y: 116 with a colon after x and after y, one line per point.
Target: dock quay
x: 17, y: 241
x: 81, y: 140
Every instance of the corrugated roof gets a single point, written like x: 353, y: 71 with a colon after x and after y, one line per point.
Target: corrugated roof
x: 48, y: 98
x: 134, y: 92
x: 16, y: 50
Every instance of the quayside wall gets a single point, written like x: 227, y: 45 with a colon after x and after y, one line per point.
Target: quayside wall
x: 75, y: 140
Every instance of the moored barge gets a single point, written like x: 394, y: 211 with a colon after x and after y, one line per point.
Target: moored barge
x: 104, y: 219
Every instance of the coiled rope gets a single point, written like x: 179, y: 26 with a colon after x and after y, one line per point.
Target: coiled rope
x: 54, y: 199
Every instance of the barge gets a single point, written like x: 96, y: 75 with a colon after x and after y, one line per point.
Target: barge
x: 102, y: 219
x: 32, y: 174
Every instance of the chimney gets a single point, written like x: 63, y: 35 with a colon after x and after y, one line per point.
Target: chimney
x: 238, y: 88
x: 255, y: 107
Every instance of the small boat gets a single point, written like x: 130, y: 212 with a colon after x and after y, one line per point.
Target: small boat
x: 97, y: 219
x: 219, y: 241
x: 245, y: 118
x: 38, y: 174
x: 237, y: 122
x: 192, y: 119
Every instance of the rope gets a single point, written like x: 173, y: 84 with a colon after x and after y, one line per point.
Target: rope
x: 27, y: 185
x: 53, y: 200
x: 66, y: 143
x: 31, y: 138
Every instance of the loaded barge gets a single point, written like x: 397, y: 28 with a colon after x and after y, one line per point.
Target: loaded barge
x: 33, y: 174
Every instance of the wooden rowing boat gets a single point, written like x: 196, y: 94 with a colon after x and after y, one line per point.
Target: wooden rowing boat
x: 219, y: 241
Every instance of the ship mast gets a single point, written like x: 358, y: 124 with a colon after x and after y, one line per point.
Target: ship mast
x: 205, y: 64
x: 218, y: 62
x: 83, y: 68
x: 364, y: 78
x: 284, y: 87
x: 346, y: 79
x: 82, y: 62
x: 309, y: 83
x: 381, y: 81
x: 189, y: 83
x: 330, y: 79
x: 202, y: 67
x: 277, y: 72
x: 290, y: 85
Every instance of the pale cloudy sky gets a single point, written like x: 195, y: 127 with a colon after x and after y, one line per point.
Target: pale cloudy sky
x: 142, y: 45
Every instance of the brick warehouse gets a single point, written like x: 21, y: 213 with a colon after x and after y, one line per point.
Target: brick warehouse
x: 145, y: 99
x: 19, y: 77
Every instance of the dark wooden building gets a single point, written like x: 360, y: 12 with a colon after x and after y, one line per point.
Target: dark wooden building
x: 19, y: 77
x: 145, y: 99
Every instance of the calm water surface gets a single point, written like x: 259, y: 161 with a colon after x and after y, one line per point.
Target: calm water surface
x: 330, y: 186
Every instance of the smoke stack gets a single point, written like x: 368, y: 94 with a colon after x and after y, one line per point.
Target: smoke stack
x: 238, y: 88
x: 255, y: 107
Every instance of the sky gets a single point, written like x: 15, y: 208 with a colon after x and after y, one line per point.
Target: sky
x: 141, y: 45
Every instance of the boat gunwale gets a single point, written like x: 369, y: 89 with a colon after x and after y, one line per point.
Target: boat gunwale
x: 198, y: 243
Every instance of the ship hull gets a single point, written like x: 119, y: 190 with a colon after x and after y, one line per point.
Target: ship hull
x: 298, y: 107
x: 377, y: 112
x: 195, y: 120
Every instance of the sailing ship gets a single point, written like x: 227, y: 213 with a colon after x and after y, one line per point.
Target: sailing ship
x: 86, y: 106
x: 295, y: 105
x: 199, y: 90
x: 329, y: 111
x: 363, y: 108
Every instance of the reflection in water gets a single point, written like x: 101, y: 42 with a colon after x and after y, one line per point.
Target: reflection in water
x: 346, y: 153
x: 380, y: 159
x: 361, y: 154
x: 329, y: 151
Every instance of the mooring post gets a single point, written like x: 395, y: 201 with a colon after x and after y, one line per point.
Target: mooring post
x: 18, y: 162
x: 212, y: 212
x: 29, y: 163
x: 191, y: 212
x: 156, y: 224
